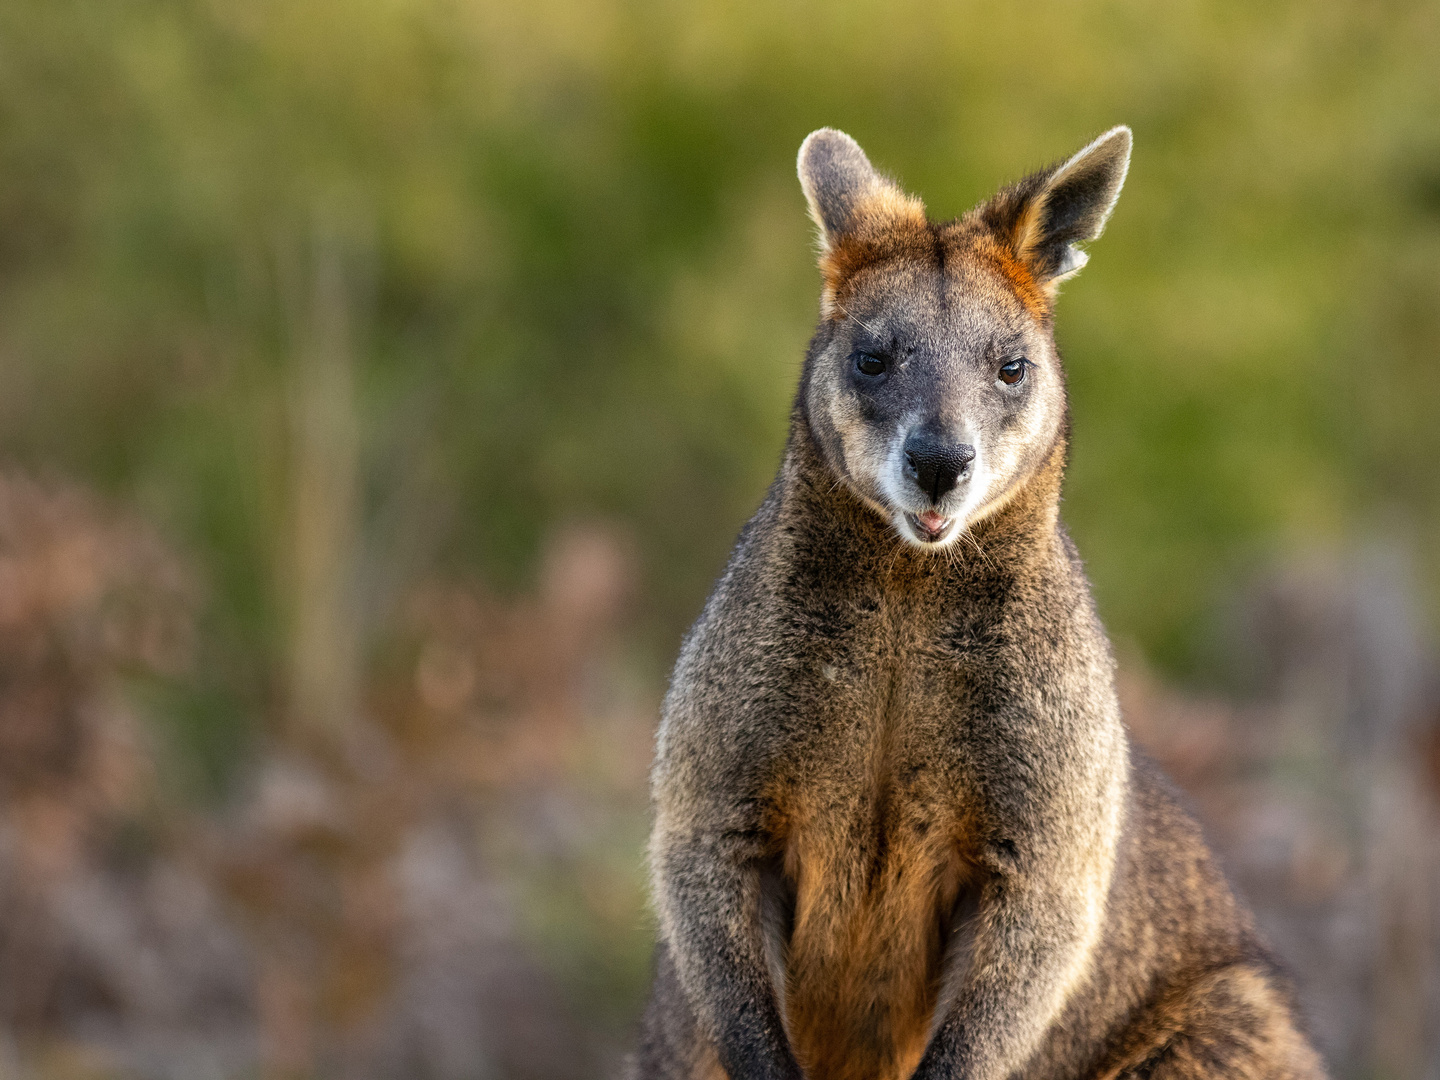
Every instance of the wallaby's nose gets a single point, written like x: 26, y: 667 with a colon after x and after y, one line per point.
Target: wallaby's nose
x: 934, y: 464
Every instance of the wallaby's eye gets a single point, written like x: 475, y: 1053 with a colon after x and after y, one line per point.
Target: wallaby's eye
x: 1013, y: 372
x: 867, y: 364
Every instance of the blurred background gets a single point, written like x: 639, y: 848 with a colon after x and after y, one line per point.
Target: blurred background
x: 382, y: 384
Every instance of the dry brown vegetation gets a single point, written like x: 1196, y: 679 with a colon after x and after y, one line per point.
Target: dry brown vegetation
x: 367, y: 904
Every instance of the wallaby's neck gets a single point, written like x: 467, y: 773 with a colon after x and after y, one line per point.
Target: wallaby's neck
x: 825, y: 519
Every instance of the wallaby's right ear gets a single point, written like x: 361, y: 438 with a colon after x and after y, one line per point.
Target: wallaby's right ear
x: 1045, y: 217
x: 844, y: 190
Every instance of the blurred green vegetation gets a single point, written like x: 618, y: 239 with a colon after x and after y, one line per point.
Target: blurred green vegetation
x: 578, y: 279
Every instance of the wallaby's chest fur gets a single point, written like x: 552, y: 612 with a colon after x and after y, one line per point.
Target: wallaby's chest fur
x: 873, y: 841
x: 875, y: 852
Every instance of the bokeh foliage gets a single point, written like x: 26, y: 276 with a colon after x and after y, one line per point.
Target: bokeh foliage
x: 580, y: 278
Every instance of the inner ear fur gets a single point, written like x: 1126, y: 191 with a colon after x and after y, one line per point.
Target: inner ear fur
x: 1043, y: 217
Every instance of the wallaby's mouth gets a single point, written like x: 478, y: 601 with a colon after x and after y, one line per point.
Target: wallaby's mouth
x: 929, y: 527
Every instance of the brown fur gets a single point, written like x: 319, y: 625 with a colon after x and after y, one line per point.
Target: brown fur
x: 900, y: 831
x: 1229, y: 1012
x: 868, y: 937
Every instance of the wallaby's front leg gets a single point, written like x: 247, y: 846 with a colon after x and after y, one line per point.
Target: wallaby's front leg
x: 708, y: 884
x: 1040, y: 914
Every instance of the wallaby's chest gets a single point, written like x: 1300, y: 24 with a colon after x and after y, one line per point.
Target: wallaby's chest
x: 883, y: 694
x: 873, y: 853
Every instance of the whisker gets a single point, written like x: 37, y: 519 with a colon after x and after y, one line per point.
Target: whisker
x: 858, y: 321
x: 953, y: 559
x: 968, y: 535
x: 894, y: 557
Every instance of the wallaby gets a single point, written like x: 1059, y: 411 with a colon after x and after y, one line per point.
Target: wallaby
x: 900, y: 830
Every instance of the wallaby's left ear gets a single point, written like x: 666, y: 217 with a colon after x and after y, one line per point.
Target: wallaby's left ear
x: 845, y: 192
x: 1046, y: 215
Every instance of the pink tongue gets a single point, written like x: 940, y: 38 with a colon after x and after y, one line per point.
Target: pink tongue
x: 931, y: 520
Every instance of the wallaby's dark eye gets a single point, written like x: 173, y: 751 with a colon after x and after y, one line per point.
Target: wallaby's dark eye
x: 1013, y: 372
x: 870, y: 365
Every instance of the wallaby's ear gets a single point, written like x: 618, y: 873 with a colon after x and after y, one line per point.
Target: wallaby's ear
x: 843, y: 188
x: 1045, y: 216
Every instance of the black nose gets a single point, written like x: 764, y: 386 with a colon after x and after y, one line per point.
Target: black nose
x: 934, y: 464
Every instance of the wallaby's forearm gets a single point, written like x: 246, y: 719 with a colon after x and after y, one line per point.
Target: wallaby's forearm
x: 709, y: 891
x: 1041, y: 912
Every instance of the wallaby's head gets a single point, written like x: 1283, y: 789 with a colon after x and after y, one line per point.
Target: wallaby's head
x: 933, y: 386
